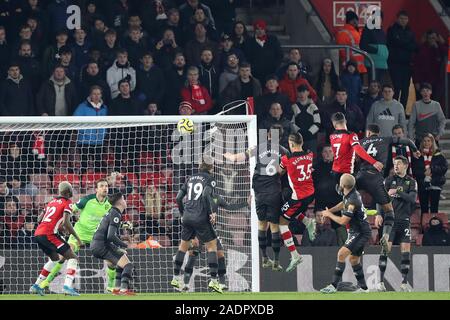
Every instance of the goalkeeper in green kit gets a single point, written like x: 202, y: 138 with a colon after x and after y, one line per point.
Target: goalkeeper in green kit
x: 91, y: 210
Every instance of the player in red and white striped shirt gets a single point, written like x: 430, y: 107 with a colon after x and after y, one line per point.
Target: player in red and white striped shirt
x: 57, y: 212
x: 298, y: 165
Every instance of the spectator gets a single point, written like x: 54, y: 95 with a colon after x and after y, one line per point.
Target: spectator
x: 402, y: 46
x: 349, y: 35
x: 327, y: 82
x: 29, y: 66
x: 150, y: 81
x: 426, y: 116
x: 306, y: 120
x: 90, y: 141
x: 296, y: 56
x: 200, y: 17
x: 353, y: 114
x: 153, y: 203
x: 166, y: 49
x: 429, y: 171
x: 57, y: 14
x: 152, y: 110
x: 185, y: 108
x: 119, y: 14
x: 5, y: 52
x: 16, y: 95
x: 136, y: 45
x: 373, y: 41
x: 176, y: 77
x: 121, y: 69
x: 208, y: 74
x: 271, y: 95
x: 124, y: 104
x: 57, y: 96
x: 135, y: 23
x: 276, y: 118
x: 14, y: 163
x: 428, y: 62
x: 243, y: 87
x: 227, y: 48
x: 187, y: 10
x: 387, y: 112
x: 90, y: 14
x: 399, y: 149
x: 230, y: 72
x: 351, y: 80
x: 39, y: 34
x: 12, y: 218
x: 196, y: 94
x: 263, y: 51
x: 194, y: 47
x: 292, y: 80
x: 373, y: 95
x: 109, y: 48
x: 71, y: 70
x: 173, y: 23
x: 80, y: 48
x: 26, y: 35
x: 98, y: 31
x: 325, y: 237
x: 19, y: 187
x: 436, y: 235
x: 325, y: 189
x: 52, y: 55
x: 91, y: 77
x: 25, y: 238
x: 240, y: 35
x: 224, y: 13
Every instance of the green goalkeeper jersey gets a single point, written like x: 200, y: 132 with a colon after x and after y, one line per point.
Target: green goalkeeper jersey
x: 92, y: 212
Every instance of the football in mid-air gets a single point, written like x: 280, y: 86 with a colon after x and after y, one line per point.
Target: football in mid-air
x: 185, y: 126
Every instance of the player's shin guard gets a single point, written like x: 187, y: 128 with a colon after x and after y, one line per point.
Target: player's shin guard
x: 222, y: 270
x: 405, y: 262
x: 111, y: 272
x: 388, y: 222
x: 179, y: 258
x: 212, y: 263
x: 337, y: 276
x: 286, y: 235
x: 276, y: 244
x: 189, y: 268
x: 48, y: 267
x: 127, y: 276
x: 382, y: 263
x: 72, y: 265
x: 262, y: 239
x: 118, y: 277
x: 359, y: 274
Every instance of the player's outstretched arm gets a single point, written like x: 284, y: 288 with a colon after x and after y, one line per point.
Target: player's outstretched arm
x: 239, y: 157
x: 180, y: 196
x: 342, y: 220
x: 229, y: 206
x: 337, y: 207
x: 405, y: 141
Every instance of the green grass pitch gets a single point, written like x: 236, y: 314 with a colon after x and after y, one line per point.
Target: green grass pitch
x: 244, y: 296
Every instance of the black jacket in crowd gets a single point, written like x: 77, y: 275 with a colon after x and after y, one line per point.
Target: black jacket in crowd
x: 16, y: 98
x: 87, y: 81
x: 46, y: 98
x: 151, y: 85
x: 125, y: 107
x: 264, y: 60
x: 209, y: 78
x: 263, y: 103
x: 401, y: 44
x: 436, y: 236
x: 439, y: 167
x: 174, y: 83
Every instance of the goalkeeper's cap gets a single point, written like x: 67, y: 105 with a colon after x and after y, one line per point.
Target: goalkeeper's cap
x: 65, y: 188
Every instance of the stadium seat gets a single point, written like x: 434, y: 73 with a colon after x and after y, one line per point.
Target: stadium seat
x: 146, y: 158
x: 74, y: 179
x: 152, y: 178
x: 425, y: 220
x: 88, y: 179
x: 131, y: 177
x: 41, y: 181
x: 415, y: 219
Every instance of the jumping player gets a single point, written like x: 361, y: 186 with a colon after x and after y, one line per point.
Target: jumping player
x: 54, y: 246
x: 106, y: 245
x: 358, y: 237
x: 198, y: 216
x: 298, y: 166
x: 403, y: 190
x: 372, y: 181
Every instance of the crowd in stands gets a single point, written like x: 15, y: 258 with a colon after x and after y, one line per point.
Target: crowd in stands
x: 191, y: 57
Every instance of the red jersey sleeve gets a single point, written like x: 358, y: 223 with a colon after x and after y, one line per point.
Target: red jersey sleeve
x: 68, y: 206
x: 354, y: 140
x: 363, y: 154
x: 283, y: 163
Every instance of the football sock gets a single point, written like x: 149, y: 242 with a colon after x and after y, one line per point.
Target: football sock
x: 127, y: 275
x: 212, y: 263
x: 45, y: 271
x: 286, y: 235
x: 337, y: 276
x: 262, y: 239
x: 359, y: 274
x: 119, y: 271
x: 72, y: 265
x: 405, y: 263
x: 111, y: 273
x: 222, y: 270
x: 54, y: 272
x: 189, y: 268
x: 388, y: 222
x: 276, y: 244
x: 382, y: 264
x: 179, y: 258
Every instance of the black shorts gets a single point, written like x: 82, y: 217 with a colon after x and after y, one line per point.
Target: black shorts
x: 52, y: 243
x: 102, y: 251
x: 293, y: 208
x: 203, y: 230
x: 373, y: 183
x: 268, y: 206
x: 356, y: 241
x: 401, y: 232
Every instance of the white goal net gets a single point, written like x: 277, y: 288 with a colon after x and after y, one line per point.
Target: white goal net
x: 148, y: 160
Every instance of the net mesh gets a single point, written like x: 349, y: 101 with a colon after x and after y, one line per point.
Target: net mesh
x: 148, y: 162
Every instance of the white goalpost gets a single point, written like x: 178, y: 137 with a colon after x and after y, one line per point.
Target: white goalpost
x: 147, y: 159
